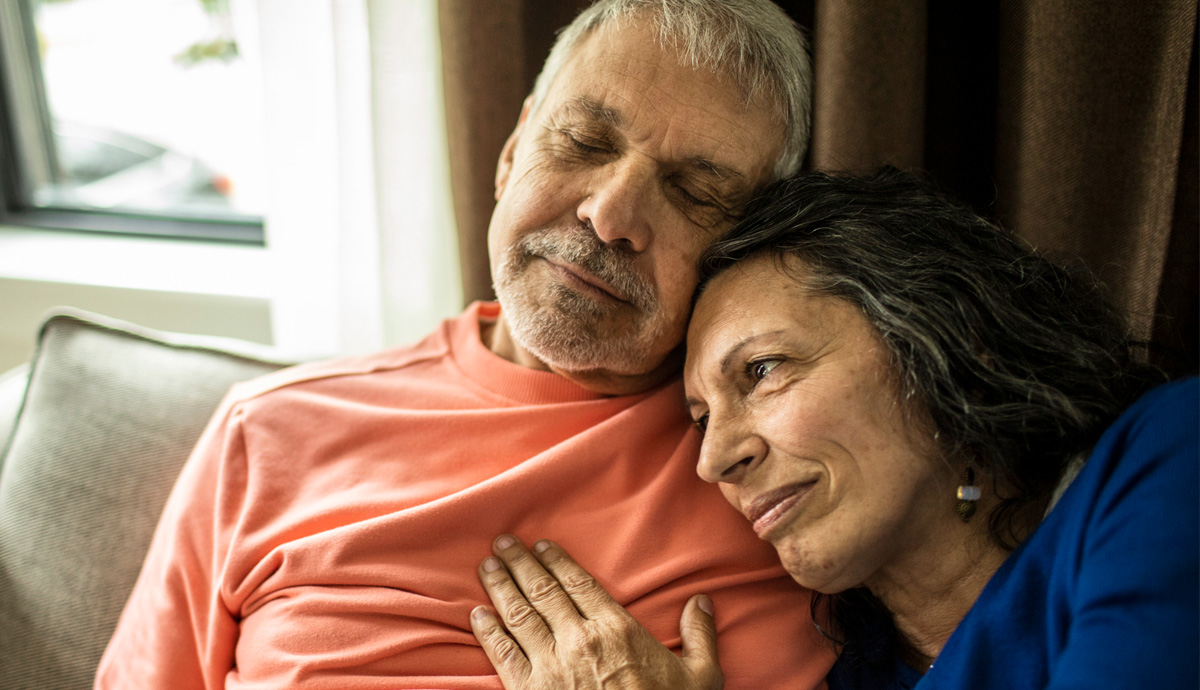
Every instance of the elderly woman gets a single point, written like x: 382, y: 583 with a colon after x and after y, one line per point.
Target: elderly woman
x: 895, y: 393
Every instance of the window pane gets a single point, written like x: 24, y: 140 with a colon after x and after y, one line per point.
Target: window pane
x: 153, y: 105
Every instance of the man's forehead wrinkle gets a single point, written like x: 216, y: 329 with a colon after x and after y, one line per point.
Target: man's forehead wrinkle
x: 685, y: 128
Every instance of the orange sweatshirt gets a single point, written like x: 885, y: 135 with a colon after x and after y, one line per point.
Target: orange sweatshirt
x: 326, y: 531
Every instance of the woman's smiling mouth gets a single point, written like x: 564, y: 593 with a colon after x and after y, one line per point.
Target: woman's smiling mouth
x: 769, y: 509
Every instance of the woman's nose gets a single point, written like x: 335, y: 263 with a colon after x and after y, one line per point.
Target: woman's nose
x: 729, y: 452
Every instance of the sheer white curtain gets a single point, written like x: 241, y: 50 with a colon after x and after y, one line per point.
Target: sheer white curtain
x: 360, y: 224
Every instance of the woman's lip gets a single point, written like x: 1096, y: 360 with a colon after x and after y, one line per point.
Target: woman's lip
x: 766, y: 511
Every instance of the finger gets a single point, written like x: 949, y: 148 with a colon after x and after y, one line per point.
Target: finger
x: 541, y: 589
x: 586, y: 594
x: 521, y: 619
x: 698, y: 629
x: 505, y: 654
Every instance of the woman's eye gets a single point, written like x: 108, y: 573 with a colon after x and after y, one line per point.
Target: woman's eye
x: 759, y: 369
x: 702, y: 423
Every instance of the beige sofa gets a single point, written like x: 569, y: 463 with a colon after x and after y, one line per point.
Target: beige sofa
x: 94, y: 431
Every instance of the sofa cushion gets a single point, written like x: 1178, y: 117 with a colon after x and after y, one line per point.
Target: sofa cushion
x: 110, y: 415
x: 12, y: 392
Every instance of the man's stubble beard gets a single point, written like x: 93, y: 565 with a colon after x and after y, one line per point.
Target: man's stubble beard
x: 570, y: 331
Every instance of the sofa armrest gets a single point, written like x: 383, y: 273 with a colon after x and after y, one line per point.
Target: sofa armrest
x: 109, y: 417
x: 12, y: 392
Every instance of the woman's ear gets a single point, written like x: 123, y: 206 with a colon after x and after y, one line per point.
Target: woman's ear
x: 505, y: 165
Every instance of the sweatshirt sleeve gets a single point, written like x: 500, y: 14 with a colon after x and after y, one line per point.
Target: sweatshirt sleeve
x: 1135, y: 604
x: 175, y: 631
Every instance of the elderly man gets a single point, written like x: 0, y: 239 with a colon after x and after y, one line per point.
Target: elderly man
x: 327, y: 529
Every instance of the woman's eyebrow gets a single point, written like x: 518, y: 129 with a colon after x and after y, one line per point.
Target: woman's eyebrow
x: 728, y: 359
x: 743, y: 344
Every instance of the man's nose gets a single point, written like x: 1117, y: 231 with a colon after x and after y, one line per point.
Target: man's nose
x: 619, y: 206
x: 729, y: 452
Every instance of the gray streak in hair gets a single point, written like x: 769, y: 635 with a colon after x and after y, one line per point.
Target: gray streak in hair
x: 1013, y: 363
x: 1017, y: 362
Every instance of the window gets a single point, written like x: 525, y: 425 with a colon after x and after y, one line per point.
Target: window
x: 132, y: 116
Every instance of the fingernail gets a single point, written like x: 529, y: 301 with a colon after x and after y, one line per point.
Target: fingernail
x: 480, y: 613
x: 491, y: 564
x: 505, y: 542
x: 705, y: 604
x: 541, y: 546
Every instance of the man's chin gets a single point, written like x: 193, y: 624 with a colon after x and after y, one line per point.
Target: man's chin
x: 575, y: 343
x: 566, y: 349
x: 601, y: 366
x: 578, y: 335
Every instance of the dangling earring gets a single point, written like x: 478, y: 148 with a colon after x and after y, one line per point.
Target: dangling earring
x: 968, y: 494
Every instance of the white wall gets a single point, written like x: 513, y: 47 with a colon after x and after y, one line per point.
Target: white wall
x: 193, y: 287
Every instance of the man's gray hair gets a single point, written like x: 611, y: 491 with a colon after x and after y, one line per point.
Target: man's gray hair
x: 753, y: 42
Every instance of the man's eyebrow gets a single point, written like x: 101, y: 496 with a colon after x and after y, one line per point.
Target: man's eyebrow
x: 596, y: 112
x: 721, y: 172
x: 603, y: 114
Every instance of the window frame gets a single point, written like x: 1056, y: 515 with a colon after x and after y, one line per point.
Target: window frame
x: 18, y: 63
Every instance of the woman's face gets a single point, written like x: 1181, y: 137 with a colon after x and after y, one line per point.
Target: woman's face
x: 804, y: 432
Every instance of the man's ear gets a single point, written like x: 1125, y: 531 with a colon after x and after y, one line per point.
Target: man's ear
x: 505, y: 164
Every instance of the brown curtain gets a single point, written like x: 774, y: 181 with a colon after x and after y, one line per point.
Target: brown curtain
x: 1072, y: 122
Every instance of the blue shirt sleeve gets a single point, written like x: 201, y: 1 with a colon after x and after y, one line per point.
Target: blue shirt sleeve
x: 1106, y: 592
x: 1135, y: 612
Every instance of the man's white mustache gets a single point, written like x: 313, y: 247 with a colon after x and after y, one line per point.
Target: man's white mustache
x: 613, y: 265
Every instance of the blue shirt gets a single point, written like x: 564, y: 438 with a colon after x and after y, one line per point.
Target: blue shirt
x: 1106, y: 591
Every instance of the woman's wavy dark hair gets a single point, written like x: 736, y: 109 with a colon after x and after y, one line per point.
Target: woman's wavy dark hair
x: 1017, y: 364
